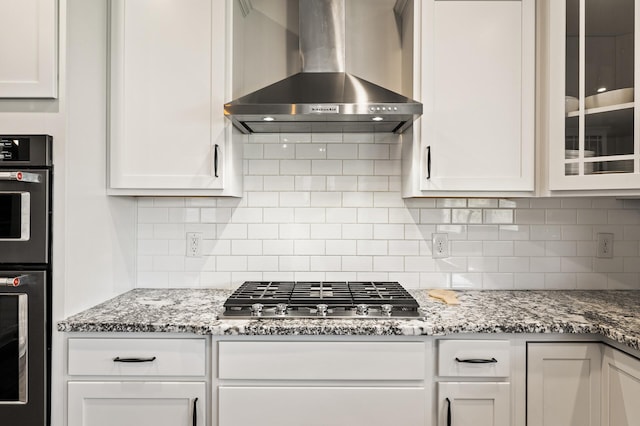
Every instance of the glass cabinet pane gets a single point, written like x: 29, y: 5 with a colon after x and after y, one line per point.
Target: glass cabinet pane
x: 599, y: 87
x: 609, y: 50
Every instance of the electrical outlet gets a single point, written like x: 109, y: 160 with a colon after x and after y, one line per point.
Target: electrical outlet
x: 605, y: 246
x: 440, y: 247
x: 194, y: 244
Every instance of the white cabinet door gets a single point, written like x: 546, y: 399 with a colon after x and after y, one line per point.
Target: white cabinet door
x: 477, y: 84
x: 474, y: 404
x: 620, y: 389
x: 168, y: 87
x: 594, y: 143
x: 563, y: 384
x: 136, y: 403
x: 28, y: 55
x: 321, y: 406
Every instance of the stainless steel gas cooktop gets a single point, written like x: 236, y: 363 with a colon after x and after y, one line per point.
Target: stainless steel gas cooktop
x: 320, y: 299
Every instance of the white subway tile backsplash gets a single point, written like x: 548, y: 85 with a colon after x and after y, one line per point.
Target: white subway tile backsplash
x: 498, y: 216
x: 561, y: 217
x: 310, y: 215
x: 280, y: 151
x: 371, y: 247
x: 309, y: 247
x: 295, y: 231
x: 329, y: 231
x: 358, y: 167
x: 295, y: 199
x: 388, y: 263
x: 277, y: 247
x: 275, y: 184
x: 329, y: 207
x: 373, y: 215
x: 262, y: 263
x: 357, y: 263
x: 342, y: 151
x: 373, y: 152
x: 279, y: 215
x: 312, y: 151
x: 264, y: 167
x: 326, y: 199
x: 326, y: 167
x: 342, y: 183
x: 560, y: 281
x: 357, y: 199
x: 153, y: 215
x: 310, y: 183
x: 295, y: 167
x: 388, y: 231
x: 545, y: 264
x: 373, y: 183
x: 341, y: 247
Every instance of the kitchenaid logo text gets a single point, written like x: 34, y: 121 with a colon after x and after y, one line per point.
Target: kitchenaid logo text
x: 325, y: 109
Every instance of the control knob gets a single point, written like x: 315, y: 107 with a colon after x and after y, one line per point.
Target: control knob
x: 256, y: 309
x: 322, y: 310
x: 362, y: 309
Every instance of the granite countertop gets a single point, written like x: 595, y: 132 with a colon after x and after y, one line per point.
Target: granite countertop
x: 612, y: 314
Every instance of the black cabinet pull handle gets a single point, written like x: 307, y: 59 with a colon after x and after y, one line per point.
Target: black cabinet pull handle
x: 215, y: 160
x: 448, y: 411
x: 429, y: 162
x: 118, y: 359
x: 195, y: 411
x: 477, y: 361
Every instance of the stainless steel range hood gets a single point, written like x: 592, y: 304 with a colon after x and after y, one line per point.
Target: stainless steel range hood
x: 323, y: 97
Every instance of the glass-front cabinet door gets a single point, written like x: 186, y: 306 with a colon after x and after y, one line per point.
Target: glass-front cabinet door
x: 593, y: 120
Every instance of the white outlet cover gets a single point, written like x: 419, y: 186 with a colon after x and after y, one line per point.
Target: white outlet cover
x: 440, y: 245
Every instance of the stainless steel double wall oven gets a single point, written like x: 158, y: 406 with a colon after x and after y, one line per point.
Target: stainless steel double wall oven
x: 25, y: 279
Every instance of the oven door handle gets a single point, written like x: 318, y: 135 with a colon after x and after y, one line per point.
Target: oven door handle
x: 21, y: 177
x: 14, y: 281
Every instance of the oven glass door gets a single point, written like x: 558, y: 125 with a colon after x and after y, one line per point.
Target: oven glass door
x: 24, y: 349
x: 15, y: 213
x: 24, y: 216
x: 13, y: 347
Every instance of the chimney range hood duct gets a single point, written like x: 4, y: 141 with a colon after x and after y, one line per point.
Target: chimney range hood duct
x: 323, y: 98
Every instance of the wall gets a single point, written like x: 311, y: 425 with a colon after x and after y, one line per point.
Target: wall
x: 328, y: 207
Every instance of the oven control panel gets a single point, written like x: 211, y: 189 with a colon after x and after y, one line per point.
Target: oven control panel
x: 14, y: 149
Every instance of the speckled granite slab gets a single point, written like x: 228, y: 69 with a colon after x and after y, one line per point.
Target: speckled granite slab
x: 612, y: 314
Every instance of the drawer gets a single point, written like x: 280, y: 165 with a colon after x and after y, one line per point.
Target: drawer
x: 295, y: 406
x: 474, y: 358
x: 155, y: 357
x: 321, y: 360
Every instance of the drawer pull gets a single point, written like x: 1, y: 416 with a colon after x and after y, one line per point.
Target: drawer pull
x: 448, y: 411
x: 195, y: 409
x: 477, y: 361
x: 118, y: 359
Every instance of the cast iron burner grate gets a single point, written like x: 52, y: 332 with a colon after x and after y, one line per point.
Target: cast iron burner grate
x: 325, y: 299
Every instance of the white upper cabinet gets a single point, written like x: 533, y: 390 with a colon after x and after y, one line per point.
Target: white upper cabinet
x: 592, y: 71
x: 169, y: 81
x: 474, y: 71
x: 28, y: 49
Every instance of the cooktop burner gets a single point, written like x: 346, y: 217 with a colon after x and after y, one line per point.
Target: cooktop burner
x: 320, y: 299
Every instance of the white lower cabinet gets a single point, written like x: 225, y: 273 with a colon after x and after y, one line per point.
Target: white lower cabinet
x: 474, y: 404
x: 620, y: 389
x: 319, y: 382
x: 321, y: 406
x: 134, y: 403
x: 137, y: 380
x: 463, y: 400
x: 563, y: 384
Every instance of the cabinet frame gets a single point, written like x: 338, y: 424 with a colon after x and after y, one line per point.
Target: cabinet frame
x: 45, y: 57
x: 228, y: 182
x: 555, y: 114
x: 415, y: 143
